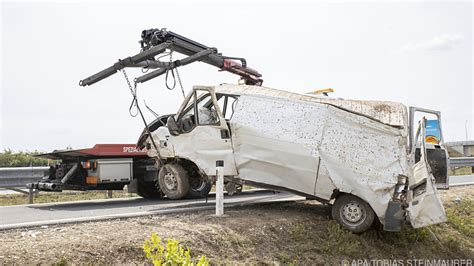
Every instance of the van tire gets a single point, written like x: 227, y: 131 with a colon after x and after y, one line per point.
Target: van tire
x: 353, y: 213
x: 173, y: 181
x: 200, y: 190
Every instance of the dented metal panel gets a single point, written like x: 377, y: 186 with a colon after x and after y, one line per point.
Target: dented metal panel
x: 363, y: 157
x: 282, y: 142
x: 425, y: 207
x: 204, y: 146
x: 275, y: 141
x: 324, y: 185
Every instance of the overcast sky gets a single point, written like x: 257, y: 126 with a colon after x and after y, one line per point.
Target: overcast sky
x: 418, y: 53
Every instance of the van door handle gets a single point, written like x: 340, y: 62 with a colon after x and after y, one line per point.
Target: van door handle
x: 225, y: 134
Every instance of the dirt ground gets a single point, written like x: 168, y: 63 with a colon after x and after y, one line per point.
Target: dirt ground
x: 277, y: 233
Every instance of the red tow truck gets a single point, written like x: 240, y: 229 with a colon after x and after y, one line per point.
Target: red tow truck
x: 108, y: 167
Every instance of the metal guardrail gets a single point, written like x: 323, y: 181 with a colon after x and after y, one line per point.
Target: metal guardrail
x: 13, y: 177
x: 461, y: 161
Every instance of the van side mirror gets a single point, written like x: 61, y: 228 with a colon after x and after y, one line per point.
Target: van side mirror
x: 172, y: 126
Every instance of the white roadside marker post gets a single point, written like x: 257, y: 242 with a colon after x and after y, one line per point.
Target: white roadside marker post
x: 30, y: 196
x: 219, y: 188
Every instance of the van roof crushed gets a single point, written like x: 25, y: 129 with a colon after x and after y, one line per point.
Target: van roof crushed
x: 390, y: 113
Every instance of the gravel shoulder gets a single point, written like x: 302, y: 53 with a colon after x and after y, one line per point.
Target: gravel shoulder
x: 278, y: 233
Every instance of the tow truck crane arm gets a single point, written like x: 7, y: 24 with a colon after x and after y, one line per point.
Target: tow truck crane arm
x: 155, y: 42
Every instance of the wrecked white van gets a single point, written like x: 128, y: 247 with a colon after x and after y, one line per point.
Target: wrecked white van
x: 366, y: 158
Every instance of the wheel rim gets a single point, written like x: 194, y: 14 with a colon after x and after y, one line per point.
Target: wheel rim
x: 197, y: 184
x: 353, y: 213
x: 171, y: 182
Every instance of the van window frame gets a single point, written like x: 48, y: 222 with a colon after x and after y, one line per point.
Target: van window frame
x: 185, y: 108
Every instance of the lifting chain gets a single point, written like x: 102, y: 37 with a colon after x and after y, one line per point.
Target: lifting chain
x: 180, y: 83
x: 173, y: 75
x: 133, y: 91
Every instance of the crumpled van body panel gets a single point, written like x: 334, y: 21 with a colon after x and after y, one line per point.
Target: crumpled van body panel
x: 284, y: 142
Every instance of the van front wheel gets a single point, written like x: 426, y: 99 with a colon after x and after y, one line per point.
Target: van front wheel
x: 174, y: 181
x: 199, y: 187
x: 353, y: 213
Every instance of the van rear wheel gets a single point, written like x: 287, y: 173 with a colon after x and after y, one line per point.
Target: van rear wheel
x: 353, y: 213
x: 173, y: 181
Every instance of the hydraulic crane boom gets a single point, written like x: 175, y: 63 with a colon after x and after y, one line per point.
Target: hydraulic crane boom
x: 155, y: 42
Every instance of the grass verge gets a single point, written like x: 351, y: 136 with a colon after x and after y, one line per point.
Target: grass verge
x: 47, y: 197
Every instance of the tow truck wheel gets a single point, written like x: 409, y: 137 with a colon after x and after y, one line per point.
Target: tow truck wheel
x: 148, y: 190
x: 174, y: 181
x: 353, y: 213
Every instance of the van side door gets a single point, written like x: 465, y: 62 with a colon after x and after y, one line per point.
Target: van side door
x: 424, y: 204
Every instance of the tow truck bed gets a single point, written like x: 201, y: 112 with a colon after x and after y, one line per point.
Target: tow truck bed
x: 102, y: 167
x: 96, y: 152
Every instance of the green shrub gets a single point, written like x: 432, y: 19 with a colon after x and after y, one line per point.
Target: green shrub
x: 171, y: 254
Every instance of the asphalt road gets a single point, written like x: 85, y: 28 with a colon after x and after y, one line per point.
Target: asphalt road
x: 93, y: 210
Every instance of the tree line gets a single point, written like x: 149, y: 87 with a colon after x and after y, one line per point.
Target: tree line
x: 8, y: 158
